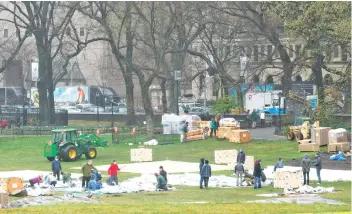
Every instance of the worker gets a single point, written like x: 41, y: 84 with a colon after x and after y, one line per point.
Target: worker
x: 81, y: 96
x: 241, y: 156
x: 66, y: 177
x: 238, y: 171
x: 184, y: 130
x: 163, y: 173
x: 36, y: 180
x: 50, y: 179
x: 212, y: 128
x: 257, y: 174
x: 317, y: 164
x: 200, y: 172
x: 254, y: 118
x: 92, y: 184
x: 87, y: 172
x: 112, y: 172
x: 262, y: 119
x: 56, y: 167
x: 306, y: 164
x: 206, y: 173
x: 278, y: 164
x: 161, y: 182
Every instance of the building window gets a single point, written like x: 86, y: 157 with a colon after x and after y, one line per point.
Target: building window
x: 249, y: 51
x: 298, y: 78
x: 68, y: 31
x: 298, y: 50
x: 6, y: 33
x: 290, y: 51
x: 255, y: 53
x: 336, y: 51
x: 262, y: 52
x: 328, y: 79
x: 81, y: 31
x: 270, y: 51
x: 343, y: 55
x: 270, y: 80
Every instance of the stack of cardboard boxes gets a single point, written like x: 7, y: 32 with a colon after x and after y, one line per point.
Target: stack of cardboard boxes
x: 319, y: 138
x: 141, y: 155
x: 284, y: 178
x: 338, y: 140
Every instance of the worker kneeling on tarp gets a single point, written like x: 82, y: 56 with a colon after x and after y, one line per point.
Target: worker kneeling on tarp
x: 94, y: 184
x: 161, y: 183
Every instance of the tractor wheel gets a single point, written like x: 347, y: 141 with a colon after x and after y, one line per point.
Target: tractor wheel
x: 50, y: 158
x: 91, y: 153
x: 290, y: 136
x: 299, y: 136
x: 70, y: 153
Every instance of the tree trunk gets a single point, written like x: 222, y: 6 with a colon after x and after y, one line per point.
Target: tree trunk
x: 287, y: 70
x: 131, y: 115
x: 318, y: 79
x: 163, y: 95
x: 147, y: 104
x: 171, y: 87
x: 42, y: 82
x: 51, y: 103
x: 239, y: 97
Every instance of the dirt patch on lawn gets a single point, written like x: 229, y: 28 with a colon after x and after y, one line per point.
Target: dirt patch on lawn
x: 326, y: 163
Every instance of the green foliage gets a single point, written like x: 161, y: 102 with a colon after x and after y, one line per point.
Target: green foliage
x: 223, y: 104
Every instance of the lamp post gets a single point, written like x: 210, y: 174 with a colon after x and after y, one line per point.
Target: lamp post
x: 104, y: 98
x: 97, y: 101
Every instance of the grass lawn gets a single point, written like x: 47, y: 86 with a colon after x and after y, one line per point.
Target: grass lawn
x: 27, y: 153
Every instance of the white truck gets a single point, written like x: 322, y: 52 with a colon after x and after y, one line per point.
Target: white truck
x: 267, y: 101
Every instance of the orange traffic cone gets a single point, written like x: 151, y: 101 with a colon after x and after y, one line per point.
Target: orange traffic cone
x: 116, y: 131
x: 133, y: 131
x: 98, y: 132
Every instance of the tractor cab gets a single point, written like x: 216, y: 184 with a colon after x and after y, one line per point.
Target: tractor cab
x: 63, y: 136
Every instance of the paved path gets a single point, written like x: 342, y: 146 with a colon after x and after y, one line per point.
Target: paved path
x: 265, y: 134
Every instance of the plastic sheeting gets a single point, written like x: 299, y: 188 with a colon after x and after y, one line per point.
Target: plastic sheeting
x: 309, y: 190
x: 151, y: 143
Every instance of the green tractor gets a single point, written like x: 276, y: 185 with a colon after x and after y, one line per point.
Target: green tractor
x: 70, y: 146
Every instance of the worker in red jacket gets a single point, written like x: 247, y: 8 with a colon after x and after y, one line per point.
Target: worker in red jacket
x: 112, y: 172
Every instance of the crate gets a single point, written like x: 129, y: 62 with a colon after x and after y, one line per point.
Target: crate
x: 15, y: 185
x: 4, y: 200
x: 337, y: 136
x: 221, y: 134
x: 141, y: 155
x: 195, y: 137
x: 225, y: 156
x: 239, y: 136
x: 310, y: 147
x: 288, y: 178
x: 320, y: 136
x: 249, y: 163
x: 336, y: 147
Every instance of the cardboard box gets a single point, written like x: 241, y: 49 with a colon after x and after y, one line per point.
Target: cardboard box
x: 310, y: 147
x: 141, y: 155
x: 337, y: 136
x: 320, y: 136
x: 336, y: 147
x: 225, y: 156
x: 288, y: 179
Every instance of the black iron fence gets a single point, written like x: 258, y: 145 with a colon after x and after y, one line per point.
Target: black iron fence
x: 21, y: 117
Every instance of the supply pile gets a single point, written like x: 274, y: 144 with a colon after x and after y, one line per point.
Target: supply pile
x: 230, y: 129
